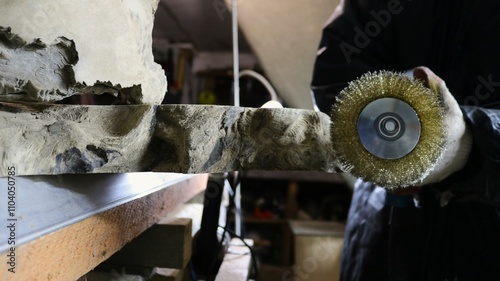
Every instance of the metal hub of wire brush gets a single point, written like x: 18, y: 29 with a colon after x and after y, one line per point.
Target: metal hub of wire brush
x: 389, y: 128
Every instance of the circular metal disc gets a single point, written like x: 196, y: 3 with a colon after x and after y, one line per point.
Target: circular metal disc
x: 389, y: 128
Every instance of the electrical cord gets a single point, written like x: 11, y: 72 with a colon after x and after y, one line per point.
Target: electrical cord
x: 252, y: 253
x: 221, y: 242
x: 232, y: 205
x: 263, y: 81
x: 226, y: 230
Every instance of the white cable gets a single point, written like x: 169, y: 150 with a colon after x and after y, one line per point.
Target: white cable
x: 236, y: 63
x: 237, y: 207
x: 236, y: 94
x: 263, y: 80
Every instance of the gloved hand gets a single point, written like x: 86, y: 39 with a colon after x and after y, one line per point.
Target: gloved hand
x: 470, y: 170
x: 479, y: 180
x: 458, y: 141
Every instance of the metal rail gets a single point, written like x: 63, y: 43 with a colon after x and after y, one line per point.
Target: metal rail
x: 44, y: 204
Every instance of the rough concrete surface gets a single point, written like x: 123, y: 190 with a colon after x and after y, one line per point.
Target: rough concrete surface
x: 37, y: 72
x: 51, y: 50
x: 60, y: 139
x: 113, y: 39
x: 220, y: 138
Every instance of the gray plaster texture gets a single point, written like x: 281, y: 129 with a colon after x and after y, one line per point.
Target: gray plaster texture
x: 113, y: 40
x: 66, y: 139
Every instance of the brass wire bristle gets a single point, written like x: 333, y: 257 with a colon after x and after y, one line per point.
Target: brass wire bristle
x: 389, y: 173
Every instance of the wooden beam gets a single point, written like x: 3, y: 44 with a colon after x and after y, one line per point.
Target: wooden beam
x: 72, y: 251
x: 166, y: 244
x: 317, y: 247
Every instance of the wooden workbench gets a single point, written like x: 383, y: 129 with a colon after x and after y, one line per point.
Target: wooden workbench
x: 67, y: 225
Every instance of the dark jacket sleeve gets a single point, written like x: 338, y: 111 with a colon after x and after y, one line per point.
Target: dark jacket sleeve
x: 479, y: 180
x: 353, y: 43
x: 370, y: 35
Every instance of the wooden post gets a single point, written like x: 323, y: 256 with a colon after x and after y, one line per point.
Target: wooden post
x: 166, y: 244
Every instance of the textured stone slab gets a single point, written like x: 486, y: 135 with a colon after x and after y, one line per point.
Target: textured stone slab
x: 219, y: 138
x: 38, y: 72
x: 61, y: 139
x: 113, y: 39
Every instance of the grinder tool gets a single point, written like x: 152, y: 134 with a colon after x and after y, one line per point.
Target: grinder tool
x: 390, y: 129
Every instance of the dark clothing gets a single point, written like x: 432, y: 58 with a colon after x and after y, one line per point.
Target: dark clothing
x: 388, y: 237
x: 459, y: 40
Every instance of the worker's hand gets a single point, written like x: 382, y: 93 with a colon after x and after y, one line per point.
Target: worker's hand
x: 459, y: 139
x: 472, y: 175
x: 429, y: 79
x: 479, y: 179
x: 451, y: 162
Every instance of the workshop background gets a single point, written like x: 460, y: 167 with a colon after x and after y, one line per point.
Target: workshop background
x: 129, y: 224
x: 286, y: 214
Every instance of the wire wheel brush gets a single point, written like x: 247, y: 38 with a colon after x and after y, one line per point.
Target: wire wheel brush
x: 390, y: 129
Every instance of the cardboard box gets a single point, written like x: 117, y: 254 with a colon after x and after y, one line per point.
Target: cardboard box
x: 317, y: 248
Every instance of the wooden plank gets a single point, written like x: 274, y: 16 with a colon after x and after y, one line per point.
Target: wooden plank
x: 191, y: 210
x: 317, y: 258
x: 236, y: 263
x: 318, y: 247
x: 72, y: 251
x: 166, y: 244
